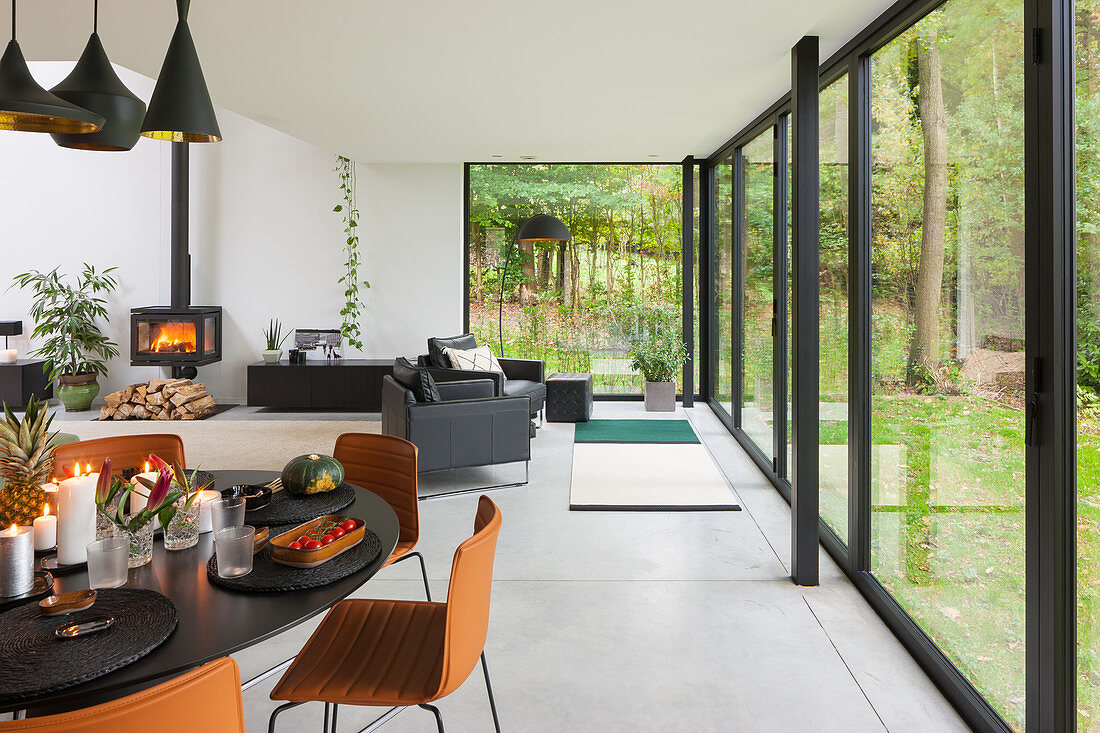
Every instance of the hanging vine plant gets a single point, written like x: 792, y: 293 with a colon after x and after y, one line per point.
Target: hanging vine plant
x: 353, y: 302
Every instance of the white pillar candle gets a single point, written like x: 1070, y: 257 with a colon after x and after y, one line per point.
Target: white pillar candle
x: 76, y: 512
x: 8, y: 356
x: 206, y: 521
x: 140, y: 501
x: 16, y: 561
x: 45, y: 531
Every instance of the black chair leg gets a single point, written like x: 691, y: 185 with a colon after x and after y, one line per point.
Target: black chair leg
x: 335, y: 708
x: 325, y: 729
x: 423, y: 571
x: 275, y: 714
x: 438, y: 717
x: 489, y: 689
x: 424, y: 574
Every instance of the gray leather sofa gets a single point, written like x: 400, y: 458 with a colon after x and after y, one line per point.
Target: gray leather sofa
x: 522, y: 377
x: 470, y: 426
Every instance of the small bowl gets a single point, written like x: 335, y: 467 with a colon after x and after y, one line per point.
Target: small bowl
x: 255, y: 496
x: 64, y: 603
x: 260, y: 539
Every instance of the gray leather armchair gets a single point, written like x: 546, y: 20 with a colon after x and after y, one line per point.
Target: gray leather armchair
x: 522, y: 377
x: 469, y: 427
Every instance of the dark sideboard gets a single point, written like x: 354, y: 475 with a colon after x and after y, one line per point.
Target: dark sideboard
x: 329, y: 384
x: 22, y: 379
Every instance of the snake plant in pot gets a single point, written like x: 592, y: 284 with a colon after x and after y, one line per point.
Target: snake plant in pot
x: 66, y: 325
x: 658, y: 354
x: 274, y: 338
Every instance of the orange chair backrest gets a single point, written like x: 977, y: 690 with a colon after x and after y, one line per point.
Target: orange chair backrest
x: 385, y: 465
x: 125, y: 451
x: 205, y: 699
x: 468, y: 598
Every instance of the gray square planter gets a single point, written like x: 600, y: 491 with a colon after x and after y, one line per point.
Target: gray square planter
x: 660, y: 397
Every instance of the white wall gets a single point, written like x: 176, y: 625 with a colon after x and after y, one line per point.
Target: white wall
x: 264, y: 240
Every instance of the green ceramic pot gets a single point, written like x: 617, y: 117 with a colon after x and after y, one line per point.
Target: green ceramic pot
x: 77, y: 391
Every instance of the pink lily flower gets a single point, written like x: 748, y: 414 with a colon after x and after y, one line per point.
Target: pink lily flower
x: 159, y: 492
x: 103, y: 485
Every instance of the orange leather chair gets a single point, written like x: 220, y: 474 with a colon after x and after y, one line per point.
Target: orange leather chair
x: 125, y: 451
x: 386, y: 465
x: 401, y: 653
x: 205, y: 699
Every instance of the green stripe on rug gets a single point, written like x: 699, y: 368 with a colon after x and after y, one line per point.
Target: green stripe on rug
x: 635, y: 431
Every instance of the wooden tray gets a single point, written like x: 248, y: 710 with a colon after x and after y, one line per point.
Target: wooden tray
x: 283, y: 554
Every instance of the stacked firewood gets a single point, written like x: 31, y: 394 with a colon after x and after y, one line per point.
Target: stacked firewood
x: 159, y: 399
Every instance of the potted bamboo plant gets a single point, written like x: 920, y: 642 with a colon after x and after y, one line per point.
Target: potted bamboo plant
x: 66, y: 319
x: 658, y: 354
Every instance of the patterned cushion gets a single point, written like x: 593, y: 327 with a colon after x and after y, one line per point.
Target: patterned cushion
x: 480, y: 359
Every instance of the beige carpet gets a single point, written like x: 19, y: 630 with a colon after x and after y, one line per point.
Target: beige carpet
x: 241, y: 444
x: 647, y: 477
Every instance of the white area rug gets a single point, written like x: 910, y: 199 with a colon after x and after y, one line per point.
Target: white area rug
x: 648, y: 477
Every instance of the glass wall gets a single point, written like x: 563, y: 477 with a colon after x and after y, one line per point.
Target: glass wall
x: 758, y: 262
x: 1088, y: 363
x: 947, y: 527
x: 723, y: 283
x: 575, y: 305
x: 833, y: 284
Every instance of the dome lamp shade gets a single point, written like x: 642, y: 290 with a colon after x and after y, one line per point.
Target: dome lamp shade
x: 180, y: 109
x: 27, y: 107
x: 94, y: 85
x: 544, y: 228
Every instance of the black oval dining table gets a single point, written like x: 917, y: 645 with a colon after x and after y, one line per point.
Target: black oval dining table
x: 213, y: 622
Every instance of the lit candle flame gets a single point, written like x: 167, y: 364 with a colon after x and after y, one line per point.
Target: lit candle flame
x: 76, y: 469
x: 87, y: 469
x: 146, y: 468
x: 13, y: 531
x: 45, y: 510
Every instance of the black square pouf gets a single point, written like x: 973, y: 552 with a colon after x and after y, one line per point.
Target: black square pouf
x: 569, y: 397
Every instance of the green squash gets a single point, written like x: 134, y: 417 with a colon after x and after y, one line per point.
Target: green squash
x: 312, y: 474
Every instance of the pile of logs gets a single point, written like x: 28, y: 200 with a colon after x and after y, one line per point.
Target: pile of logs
x: 159, y: 399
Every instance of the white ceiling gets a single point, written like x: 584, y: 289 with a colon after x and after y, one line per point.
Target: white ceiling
x: 436, y: 81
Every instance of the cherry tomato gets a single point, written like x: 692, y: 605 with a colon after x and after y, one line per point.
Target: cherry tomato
x: 304, y: 539
x: 349, y: 526
x: 327, y: 539
x: 337, y: 533
x: 295, y: 545
x: 313, y: 545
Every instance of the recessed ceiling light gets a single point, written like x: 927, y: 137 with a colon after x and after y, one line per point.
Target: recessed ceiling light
x: 654, y: 155
x: 527, y: 157
x: 497, y: 155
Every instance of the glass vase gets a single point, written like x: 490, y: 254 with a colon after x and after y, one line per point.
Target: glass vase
x: 183, y: 531
x: 104, y: 527
x: 141, y: 543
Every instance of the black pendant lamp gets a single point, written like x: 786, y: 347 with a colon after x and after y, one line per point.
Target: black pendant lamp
x: 180, y: 109
x: 27, y: 107
x: 94, y: 85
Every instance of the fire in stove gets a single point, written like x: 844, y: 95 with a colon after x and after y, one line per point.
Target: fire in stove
x: 173, y: 338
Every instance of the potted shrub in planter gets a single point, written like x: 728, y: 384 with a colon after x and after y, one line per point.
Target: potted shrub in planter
x: 65, y: 320
x: 658, y: 355
x: 275, y: 337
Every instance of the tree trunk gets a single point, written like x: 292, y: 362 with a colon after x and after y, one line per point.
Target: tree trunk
x: 560, y: 274
x: 924, y: 348
x: 529, y: 285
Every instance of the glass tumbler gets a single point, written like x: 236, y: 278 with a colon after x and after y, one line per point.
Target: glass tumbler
x: 227, y: 512
x: 233, y: 546
x: 108, y: 562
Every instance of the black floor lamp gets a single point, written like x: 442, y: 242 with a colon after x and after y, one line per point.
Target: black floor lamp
x: 539, y: 228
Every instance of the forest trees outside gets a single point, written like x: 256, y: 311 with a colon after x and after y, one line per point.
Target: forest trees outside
x: 576, y: 304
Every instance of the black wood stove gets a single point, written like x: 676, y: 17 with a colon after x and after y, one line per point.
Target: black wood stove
x: 181, y: 336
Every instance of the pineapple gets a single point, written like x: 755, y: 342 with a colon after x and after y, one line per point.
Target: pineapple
x: 26, y: 461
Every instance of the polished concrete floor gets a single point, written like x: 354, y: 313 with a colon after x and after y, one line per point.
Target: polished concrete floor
x: 605, y: 621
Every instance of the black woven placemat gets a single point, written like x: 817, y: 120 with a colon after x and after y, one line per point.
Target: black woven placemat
x: 38, y: 663
x: 269, y: 576
x: 288, y: 508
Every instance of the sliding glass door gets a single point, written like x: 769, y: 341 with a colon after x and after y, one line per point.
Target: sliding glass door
x: 723, y: 302
x: 947, y: 357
